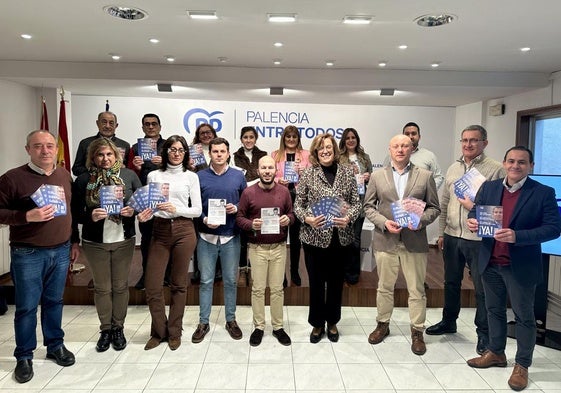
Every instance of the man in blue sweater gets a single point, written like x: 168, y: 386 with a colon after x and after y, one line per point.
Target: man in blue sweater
x: 219, y: 236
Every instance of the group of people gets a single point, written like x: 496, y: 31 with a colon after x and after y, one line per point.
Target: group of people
x: 317, y: 199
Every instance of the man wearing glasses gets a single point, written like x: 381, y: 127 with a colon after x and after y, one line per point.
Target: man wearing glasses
x: 460, y: 247
x: 151, y: 127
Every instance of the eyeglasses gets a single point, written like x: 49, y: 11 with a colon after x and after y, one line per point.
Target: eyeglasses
x: 472, y: 141
x: 173, y: 150
x: 153, y: 124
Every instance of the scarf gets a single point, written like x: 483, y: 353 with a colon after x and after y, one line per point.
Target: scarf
x: 102, y: 177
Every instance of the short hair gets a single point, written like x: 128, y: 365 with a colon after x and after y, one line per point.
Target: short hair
x: 412, y: 124
x: 151, y: 115
x: 98, y: 144
x: 247, y: 129
x: 521, y: 148
x: 111, y: 113
x: 196, y: 138
x: 316, y: 145
x: 219, y: 141
x: 476, y: 127
x: 30, y: 135
x: 165, y: 155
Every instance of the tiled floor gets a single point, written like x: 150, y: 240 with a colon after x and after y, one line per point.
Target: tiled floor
x: 219, y: 364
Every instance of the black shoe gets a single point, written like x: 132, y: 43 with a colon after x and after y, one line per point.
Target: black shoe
x: 140, y: 284
x: 482, y: 344
x: 196, y: 277
x: 333, y: 337
x: 3, y: 306
x: 24, y: 371
x: 296, y: 280
x: 256, y: 337
x: 118, y: 339
x: 104, y: 341
x: 62, y: 356
x: 442, y: 327
x: 281, y: 335
x: 316, y: 336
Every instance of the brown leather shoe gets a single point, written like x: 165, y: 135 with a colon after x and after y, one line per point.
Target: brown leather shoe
x: 174, y: 343
x: 382, y: 330
x: 234, y: 330
x: 200, y: 333
x: 519, y: 378
x: 488, y: 359
x: 152, y: 343
x: 418, y: 346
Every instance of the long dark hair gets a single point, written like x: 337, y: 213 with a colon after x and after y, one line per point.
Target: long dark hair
x: 165, y: 156
x: 343, y: 146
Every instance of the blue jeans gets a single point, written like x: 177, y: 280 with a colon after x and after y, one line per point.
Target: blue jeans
x: 39, y: 276
x: 458, y: 253
x: 207, y: 254
x: 499, y: 282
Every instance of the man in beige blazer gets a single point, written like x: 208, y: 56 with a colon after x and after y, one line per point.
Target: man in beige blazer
x: 397, y: 246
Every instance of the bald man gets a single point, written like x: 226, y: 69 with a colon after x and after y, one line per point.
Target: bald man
x: 264, y: 213
x: 395, y: 246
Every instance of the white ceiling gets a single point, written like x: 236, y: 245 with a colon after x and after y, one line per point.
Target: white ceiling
x: 479, y: 52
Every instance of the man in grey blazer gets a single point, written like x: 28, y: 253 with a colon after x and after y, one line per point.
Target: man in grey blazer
x: 397, y: 246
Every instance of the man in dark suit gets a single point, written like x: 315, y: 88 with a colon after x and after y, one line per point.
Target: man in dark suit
x: 510, y: 262
x: 396, y: 246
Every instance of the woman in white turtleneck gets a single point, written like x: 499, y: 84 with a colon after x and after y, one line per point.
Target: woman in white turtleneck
x: 173, y: 240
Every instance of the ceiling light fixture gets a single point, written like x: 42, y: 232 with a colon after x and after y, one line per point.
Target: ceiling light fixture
x: 26, y: 36
x: 205, y: 15
x: 281, y: 18
x: 164, y: 87
x: 223, y: 59
x: 126, y: 13
x: 276, y: 91
x: 387, y: 92
x: 277, y: 61
x: 330, y: 63
x: 154, y: 40
x: 357, y: 20
x: 402, y: 47
x: 382, y: 64
x: 115, y: 56
x: 278, y: 44
x: 435, y: 20
x: 169, y: 59
x: 525, y: 49
x: 435, y: 64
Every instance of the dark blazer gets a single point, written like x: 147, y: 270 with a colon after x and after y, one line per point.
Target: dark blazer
x: 381, y: 193
x: 535, y: 220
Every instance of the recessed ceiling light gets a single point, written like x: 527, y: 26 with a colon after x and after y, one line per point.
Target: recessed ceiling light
x: 281, y: 18
x: 127, y: 13
x: 277, y: 61
x: 26, y: 36
x: 154, y: 40
x: 115, y: 56
x: 435, y: 20
x: 357, y: 20
x: 402, y: 47
x: 206, y: 15
x: 525, y: 49
x: 435, y: 64
x: 278, y: 44
x: 169, y: 59
x: 382, y: 64
x: 223, y: 59
x: 330, y: 63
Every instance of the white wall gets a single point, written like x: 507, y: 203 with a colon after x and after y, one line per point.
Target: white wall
x: 19, y: 114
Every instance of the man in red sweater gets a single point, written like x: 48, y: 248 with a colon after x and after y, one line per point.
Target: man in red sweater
x: 264, y: 213
x: 40, y: 250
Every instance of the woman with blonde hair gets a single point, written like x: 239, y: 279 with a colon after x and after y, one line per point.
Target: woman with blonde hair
x: 290, y: 150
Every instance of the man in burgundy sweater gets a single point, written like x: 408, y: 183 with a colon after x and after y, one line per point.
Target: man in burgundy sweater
x: 511, y: 262
x: 264, y: 213
x: 40, y: 251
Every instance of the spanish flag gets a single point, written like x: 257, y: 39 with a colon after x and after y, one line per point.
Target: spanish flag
x: 63, y: 155
x: 44, y: 117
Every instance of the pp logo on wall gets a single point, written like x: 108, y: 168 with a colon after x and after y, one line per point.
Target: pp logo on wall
x: 197, y: 116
